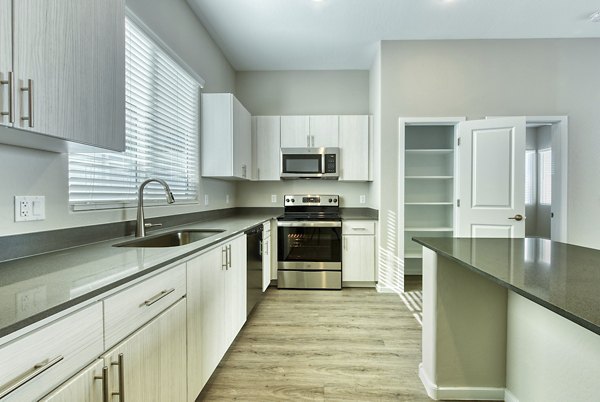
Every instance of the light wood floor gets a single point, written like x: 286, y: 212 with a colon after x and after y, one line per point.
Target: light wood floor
x: 349, y: 345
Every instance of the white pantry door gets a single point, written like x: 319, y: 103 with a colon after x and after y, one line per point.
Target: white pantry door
x: 491, y: 180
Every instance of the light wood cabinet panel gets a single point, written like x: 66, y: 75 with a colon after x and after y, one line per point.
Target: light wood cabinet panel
x: 295, y: 132
x: 324, y: 131
x: 226, y: 137
x: 154, y: 360
x: 358, y: 251
x: 358, y: 258
x: 74, y: 54
x: 235, y: 289
x: 354, y: 145
x: 64, y: 346
x: 216, y: 308
x: 83, y: 387
x: 5, y: 58
x: 266, y: 255
x: 266, y: 136
x: 131, y: 308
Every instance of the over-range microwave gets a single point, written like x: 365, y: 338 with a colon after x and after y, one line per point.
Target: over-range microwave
x: 310, y: 163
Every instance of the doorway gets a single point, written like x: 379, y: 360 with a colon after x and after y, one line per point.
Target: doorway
x: 546, y: 177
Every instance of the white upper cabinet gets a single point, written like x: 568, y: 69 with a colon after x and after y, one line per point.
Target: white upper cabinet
x: 266, y: 137
x: 355, y: 148
x: 324, y: 131
x: 309, y: 131
x: 295, y: 132
x: 226, y: 137
x: 68, y: 70
x: 6, y: 78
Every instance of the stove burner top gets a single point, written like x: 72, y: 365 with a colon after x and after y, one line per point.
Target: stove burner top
x: 311, y: 208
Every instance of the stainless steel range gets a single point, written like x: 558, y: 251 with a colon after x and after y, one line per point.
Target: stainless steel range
x: 309, y: 243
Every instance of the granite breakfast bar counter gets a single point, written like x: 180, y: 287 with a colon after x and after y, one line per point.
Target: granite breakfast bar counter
x: 510, y: 319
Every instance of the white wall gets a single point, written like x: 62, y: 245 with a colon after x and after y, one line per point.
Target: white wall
x: 302, y: 93
x: 475, y: 78
x: 30, y: 172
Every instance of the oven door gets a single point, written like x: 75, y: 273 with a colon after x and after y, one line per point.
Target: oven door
x: 309, y: 245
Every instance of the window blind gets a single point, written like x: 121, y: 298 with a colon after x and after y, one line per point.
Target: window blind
x: 162, y: 103
x: 530, y: 175
x: 545, y: 174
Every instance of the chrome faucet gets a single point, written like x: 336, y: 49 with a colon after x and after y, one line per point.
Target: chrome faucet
x: 140, y: 227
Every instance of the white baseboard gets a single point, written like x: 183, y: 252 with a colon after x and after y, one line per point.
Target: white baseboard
x: 459, y: 393
x: 384, y: 289
x: 355, y: 284
x: 509, y: 397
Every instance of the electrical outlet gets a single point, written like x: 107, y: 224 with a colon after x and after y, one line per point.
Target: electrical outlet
x: 30, y: 208
x: 363, y: 199
x: 226, y: 198
x: 205, y: 199
x: 273, y: 197
x: 31, y: 301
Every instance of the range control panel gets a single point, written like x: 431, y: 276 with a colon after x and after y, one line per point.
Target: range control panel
x: 311, y: 200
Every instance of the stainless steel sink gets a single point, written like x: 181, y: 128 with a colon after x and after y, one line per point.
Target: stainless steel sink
x: 172, y: 239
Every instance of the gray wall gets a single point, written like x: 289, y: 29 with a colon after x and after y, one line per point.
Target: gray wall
x: 475, y: 78
x: 302, y: 93
x: 30, y: 172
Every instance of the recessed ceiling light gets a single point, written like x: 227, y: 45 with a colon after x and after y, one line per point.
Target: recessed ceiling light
x: 595, y: 17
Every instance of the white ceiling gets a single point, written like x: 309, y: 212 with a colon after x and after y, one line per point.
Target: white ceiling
x: 342, y: 34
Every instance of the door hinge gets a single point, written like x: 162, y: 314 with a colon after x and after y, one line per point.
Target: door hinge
x: 458, y: 142
x: 458, y: 202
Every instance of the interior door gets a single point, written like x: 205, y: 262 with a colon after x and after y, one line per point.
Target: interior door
x: 491, y: 180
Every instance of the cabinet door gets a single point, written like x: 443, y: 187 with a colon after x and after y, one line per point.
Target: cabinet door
x: 5, y: 58
x: 153, y: 360
x: 267, y: 135
x: 354, y: 148
x: 358, y: 258
x: 83, y: 387
x: 295, y: 132
x: 235, y: 289
x: 242, y: 141
x: 324, y: 131
x: 212, y: 311
x: 73, y: 51
x: 266, y: 256
x: 204, y: 316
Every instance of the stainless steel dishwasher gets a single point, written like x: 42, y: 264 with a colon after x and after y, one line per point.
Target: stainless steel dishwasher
x: 254, y: 293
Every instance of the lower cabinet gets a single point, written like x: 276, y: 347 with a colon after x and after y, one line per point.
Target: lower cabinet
x: 150, y: 365
x: 266, y: 255
x: 216, y: 308
x: 358, y: 251
x: 87, y: 386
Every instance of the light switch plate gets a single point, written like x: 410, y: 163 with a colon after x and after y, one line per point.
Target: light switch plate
x: 273, y: 197
x: 363, y: 199
x: 30, y: 208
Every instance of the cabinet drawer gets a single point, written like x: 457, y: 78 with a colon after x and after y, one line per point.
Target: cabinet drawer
x: 358, y: 227
x: 128, y: 310
x: 43, y: 359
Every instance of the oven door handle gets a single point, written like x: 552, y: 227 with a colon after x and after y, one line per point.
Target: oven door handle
x: 309, y: 224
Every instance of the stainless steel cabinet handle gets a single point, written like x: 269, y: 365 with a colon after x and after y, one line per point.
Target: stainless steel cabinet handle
x: 257, y: 173
x: 244, y: 171
x: 362, y: 229
x: 104, y: 379
x: 261, y: 247
x: 308, y: 140
x: 159, y: 296
x: 29, y: 90
x: 224, y: 257
x: 121, y: 363
x: 267, y: 246
x: 11, y: 109
x: 229, y: 256
x: 517, y: 217
x: 29, y: 375
x: 313, y: 140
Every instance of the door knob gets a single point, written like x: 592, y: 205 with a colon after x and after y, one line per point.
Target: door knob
x: 517, y: 217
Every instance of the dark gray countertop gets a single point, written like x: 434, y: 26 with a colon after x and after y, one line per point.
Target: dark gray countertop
x: 359, y: 214
x: 561, y: 277
x: 62, y: 279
